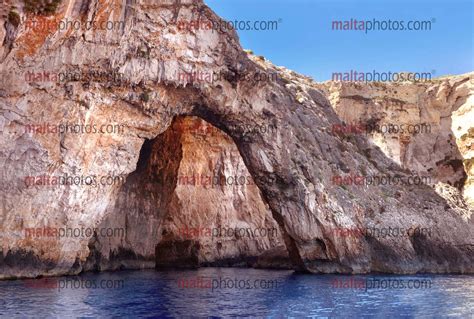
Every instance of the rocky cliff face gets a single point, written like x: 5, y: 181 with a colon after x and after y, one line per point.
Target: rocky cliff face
x: 213, y: 213
x: 424, y: 127
x: 132, y: 79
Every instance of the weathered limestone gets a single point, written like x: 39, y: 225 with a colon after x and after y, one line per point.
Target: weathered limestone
x: 292, y: 167
x: 424, y: 126
x: 209, y: 191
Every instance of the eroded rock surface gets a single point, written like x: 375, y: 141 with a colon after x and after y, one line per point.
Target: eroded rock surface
x: 293, y: 166
x: 424, y: 127
x: 208, y: 209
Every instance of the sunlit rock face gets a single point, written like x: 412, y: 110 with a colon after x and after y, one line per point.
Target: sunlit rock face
x: 140, y: 88
x: 423, y: 126
x: 216, y: 203
x: 192, y: 202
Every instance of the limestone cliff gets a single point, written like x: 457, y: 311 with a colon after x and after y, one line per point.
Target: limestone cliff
x: 130, y: 77
x: 425, y: 127
x: 214, y: 214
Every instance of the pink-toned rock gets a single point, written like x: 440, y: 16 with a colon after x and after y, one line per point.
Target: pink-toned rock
x: 293, y: 166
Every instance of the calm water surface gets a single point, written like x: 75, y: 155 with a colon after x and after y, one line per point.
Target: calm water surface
x: 210, y: 292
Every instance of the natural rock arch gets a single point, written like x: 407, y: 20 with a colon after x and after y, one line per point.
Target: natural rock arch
x: 301, y: 156
x: 167, y: 195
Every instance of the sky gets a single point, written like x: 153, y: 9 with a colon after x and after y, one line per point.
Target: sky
x: 305, y: 42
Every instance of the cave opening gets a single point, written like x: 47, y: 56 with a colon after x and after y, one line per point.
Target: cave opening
x: 191, y: 202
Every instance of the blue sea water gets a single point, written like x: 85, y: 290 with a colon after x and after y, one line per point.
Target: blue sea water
x: 230, y: 292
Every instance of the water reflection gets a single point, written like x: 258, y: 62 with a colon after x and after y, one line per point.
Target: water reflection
x: 212, y: 292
